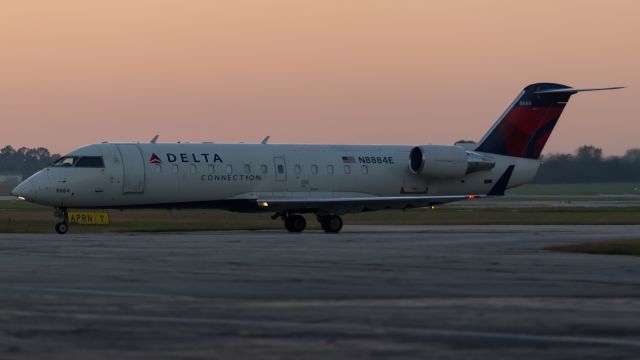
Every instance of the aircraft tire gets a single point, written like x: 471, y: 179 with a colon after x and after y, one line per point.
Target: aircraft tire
x: 295, y: 223
x: 62, y: 228
x: 331, y: 223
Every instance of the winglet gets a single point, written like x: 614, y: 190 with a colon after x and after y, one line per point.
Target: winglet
x: 155, y: 138
x: 265, y: 140
x: 501, y: 185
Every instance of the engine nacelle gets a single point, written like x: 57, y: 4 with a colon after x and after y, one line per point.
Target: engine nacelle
x: 447, y: 162
x: 438, y: 161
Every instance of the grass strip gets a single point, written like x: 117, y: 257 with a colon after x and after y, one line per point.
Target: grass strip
x: 610, y: 188
x: 28, y: 218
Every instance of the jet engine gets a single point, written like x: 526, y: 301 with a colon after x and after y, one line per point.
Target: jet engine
x: 446, y: 162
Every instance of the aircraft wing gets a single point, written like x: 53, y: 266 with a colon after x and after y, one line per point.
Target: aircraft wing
x: 358, y: 203
x: 361, y: 203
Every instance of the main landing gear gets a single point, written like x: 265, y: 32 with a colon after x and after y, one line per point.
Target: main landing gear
x: 63, y: 226
x: 296, y: 223
x: 331, y: 223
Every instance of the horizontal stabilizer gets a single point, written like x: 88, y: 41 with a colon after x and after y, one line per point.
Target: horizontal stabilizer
x: 574, y: 90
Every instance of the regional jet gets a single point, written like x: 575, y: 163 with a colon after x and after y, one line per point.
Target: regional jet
x: 290, y: 180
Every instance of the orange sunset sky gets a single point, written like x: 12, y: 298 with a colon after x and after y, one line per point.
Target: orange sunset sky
x: 347, y: 71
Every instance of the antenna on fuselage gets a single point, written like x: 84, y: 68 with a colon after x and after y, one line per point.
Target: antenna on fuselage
x: 155, y: 138
x: 265, y: 140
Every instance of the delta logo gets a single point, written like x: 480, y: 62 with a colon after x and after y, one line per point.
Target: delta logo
x: 155, y: 159
x: 185, y: 158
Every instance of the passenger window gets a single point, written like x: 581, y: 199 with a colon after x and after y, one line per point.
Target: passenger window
x: 212, y: 169
x: 297, y: 169
x: 193, y: 169
x: 174, y: 168
x: 229, y: 169
x: 365, y: 170
x: 263, y: 169
x: 314, y: 169
x: 347, y: 169
x: 66, y: 161
x: 90, y: 162
x: 247, y: 169
x: 158, y: 168
x: 280, y: 169
x: 330, y: 169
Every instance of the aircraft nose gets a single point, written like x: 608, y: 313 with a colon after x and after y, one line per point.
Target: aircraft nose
x: 23, y: 189
x: 30, y: 188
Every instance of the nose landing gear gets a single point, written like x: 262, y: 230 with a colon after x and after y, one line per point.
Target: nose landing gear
x: 63, y: 226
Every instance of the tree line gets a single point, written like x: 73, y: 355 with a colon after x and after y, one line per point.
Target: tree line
x: 586, y: 165
x: 25, y: 161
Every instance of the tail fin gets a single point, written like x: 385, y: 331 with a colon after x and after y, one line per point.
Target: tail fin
x: 524, y: 128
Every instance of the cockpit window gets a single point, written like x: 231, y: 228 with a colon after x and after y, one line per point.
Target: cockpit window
x: 67, y: 161
x: 90, y: 162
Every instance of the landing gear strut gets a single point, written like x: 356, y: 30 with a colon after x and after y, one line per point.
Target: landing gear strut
x: 295, y: 223
x: 63, y: 226
x: 330, y: 223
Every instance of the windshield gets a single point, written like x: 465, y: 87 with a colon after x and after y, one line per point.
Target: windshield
x: 67, y: 161
x: 90, y: 162
x: 80, y: 161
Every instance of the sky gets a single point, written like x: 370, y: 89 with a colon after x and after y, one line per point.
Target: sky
x: 74, y: 72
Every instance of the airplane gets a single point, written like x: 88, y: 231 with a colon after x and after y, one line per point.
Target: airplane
x: 289, y: 180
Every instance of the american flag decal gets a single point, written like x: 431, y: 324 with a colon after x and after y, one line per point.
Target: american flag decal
x: 348, y: 159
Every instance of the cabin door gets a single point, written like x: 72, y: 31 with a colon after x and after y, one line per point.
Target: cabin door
x: 133, y: 168
x: 281, y: 168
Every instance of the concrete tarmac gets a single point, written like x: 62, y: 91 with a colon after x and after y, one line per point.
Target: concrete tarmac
x: 401, y: 292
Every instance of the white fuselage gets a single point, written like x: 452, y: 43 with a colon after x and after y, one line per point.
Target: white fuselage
x: 214, y: 175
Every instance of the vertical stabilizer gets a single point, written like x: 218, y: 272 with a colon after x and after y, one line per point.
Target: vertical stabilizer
x: 525, y: 127
x: 523, y: 130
